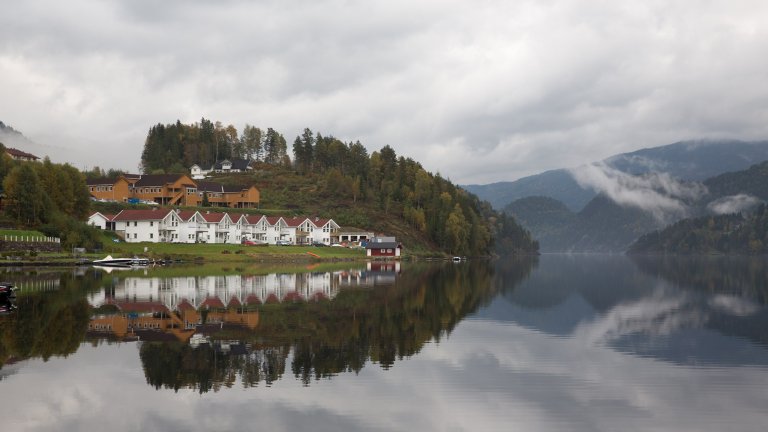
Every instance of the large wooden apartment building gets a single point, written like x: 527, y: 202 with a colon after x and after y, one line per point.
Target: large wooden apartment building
x: 172, y: 189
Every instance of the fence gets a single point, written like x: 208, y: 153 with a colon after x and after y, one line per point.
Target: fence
x: 30, y: 239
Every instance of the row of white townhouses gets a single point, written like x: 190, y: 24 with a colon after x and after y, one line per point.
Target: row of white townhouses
x: 178, y: 226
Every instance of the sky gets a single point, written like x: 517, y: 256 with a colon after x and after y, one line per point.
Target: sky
x: 479, y: 91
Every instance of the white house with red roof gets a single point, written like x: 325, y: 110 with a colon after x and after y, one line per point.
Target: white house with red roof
x: 254, y: 227
x: 218, y: 228
x: 102, y: 221
x: 236, y: 228
x: 323, y: 230
x: 274, y: 225
x: 192, y: 226
x: 155, y: 225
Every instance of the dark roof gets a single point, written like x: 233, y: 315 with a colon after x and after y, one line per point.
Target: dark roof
x: 157, y: 179
x: 204, y: 186
x: 18, y: 153
x: 382, y: 245
x: 100, y: 181
x: 231, y: 189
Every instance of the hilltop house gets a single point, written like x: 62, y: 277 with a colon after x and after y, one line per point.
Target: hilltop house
x: 17, y: 154
x: 224, y: 166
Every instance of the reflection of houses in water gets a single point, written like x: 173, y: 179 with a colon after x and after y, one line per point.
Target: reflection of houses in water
x: 151, y: 321
x: 215, y: 292
x: 178, y: 308
x: 376, y: 273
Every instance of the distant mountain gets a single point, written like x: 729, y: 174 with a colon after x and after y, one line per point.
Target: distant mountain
x: 752, y: 181
x: 686, y: 160
x: 602, y: 226
x: 605, y: 226
x: 11, y: 137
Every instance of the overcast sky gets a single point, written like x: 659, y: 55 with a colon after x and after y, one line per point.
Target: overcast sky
x: 480, y: 91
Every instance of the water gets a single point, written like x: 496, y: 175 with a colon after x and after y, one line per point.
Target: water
x: 556, y: 343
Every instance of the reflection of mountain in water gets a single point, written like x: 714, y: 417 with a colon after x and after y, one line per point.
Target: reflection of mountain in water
x: 607, y: 300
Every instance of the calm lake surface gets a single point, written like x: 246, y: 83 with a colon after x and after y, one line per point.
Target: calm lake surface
x: 591, y: 343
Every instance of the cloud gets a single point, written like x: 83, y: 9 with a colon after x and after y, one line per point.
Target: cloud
x: 482, y: 91
x: 657, y: 193
x: 733, y: 204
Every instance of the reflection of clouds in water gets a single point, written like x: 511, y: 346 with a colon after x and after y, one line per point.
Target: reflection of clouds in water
x: 484, y: 376
x: 659, y: 314
x: 733, y: 305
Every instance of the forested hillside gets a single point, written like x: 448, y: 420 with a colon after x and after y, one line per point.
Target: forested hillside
x: 332, y: 178
x: 726, y: 234
x: 52, y: 198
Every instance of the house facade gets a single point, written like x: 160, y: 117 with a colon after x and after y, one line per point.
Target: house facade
x: 190, y: 226
x: 156, y: 225
x: 172, y: 189
x: 383, y: 247
x: 102, y: 221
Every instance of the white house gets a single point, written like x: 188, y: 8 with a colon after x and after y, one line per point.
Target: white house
x: 189, y: 226
x: 254, y: 228
x: 102, y: 221
x: 197, y: 172
x: 236, y: 227
x: 192, y: 226
x: 324, y: 230
x: 274, y: 230
x: 217, y: 228
x: 156, y: 225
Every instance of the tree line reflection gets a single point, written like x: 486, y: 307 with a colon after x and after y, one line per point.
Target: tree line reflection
x: 209, y: 332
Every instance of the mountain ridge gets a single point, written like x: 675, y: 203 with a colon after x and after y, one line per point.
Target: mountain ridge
x: 693, y: 160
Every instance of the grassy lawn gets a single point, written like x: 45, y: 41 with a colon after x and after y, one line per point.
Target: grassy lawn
x: 231, y: 252
x: 20, y: 233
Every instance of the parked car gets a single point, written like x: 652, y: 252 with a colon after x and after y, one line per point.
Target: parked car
x: 319, y: 244
x: 247, y: 242
x: 283, y: 243
x: 337, y: 245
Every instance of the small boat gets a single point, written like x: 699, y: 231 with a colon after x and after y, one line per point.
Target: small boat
x: 7, y: 297
x: 456, y: 259
x: 121, y: 262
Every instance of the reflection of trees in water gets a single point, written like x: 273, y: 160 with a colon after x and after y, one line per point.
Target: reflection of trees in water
x: 735, y: 275
x: 378, y: 325
x: 177, y: 365
x: 49, y: 323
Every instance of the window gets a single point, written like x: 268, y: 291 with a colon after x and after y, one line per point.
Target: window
x: 151, y: 235
x: 383, y: 250
x: 151, y: 223
x: 135, y: 223
x: 135, y: 235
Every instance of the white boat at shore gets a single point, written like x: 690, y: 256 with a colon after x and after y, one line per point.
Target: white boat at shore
x: 121, y: 262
